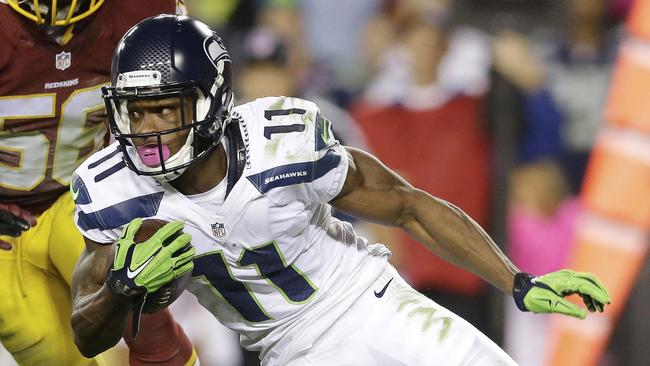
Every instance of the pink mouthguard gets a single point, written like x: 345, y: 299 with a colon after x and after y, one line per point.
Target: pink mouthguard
x: 150, y: 155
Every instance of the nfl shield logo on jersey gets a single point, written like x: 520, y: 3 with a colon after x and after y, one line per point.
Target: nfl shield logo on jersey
x: 218, y: 230
x: 63, y: 60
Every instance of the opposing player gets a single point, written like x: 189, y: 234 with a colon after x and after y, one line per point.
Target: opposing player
x: 54, y: 58
x: 254, y: 187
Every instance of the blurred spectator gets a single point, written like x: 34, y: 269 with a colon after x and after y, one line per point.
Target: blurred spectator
x: 579, y: 59
x: 284, y: 20
x: 423, y: 115
x: 540, y: 120
x: 333, y: 31
x: 542, y: 217
x: 557, y: 130
x: 541, y: 226
x: 418, y: 61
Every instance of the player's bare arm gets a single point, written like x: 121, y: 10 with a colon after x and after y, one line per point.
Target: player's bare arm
x: 99, y: 317
x: 374, y: 193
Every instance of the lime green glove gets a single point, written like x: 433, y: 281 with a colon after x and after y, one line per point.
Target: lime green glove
x: 545, y: 294
x: 145, y: 267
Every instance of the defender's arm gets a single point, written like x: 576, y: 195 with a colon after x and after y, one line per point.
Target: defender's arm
x: 375, y: 193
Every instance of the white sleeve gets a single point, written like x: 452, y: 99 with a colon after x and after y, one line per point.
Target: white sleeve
x: 295, y: 153
x: 87, y: 217
x: 330, y: 166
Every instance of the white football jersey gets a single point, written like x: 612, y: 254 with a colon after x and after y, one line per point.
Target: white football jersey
x: 272, y: 263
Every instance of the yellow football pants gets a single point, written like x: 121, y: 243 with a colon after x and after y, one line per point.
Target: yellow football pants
x: 35, y: 278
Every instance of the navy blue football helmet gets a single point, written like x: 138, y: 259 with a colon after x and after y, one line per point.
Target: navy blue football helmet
x: 163, y: 57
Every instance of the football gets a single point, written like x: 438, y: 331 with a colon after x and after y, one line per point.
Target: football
x: 168, y: 293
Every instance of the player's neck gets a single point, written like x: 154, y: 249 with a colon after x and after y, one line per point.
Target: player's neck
x: 204, y: 174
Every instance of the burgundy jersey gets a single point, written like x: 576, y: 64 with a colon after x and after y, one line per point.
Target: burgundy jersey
x: 51, y: 111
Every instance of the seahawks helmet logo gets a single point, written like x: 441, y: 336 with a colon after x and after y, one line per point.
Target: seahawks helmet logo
x: 216, y: 52
x: 215, y: 49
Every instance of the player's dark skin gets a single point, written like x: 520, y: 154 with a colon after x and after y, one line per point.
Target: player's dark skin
x: 371, y: 192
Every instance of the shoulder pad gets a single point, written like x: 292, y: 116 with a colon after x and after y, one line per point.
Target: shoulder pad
x: 283, y: 130
x: 107, y: 196
x: 289, y: 142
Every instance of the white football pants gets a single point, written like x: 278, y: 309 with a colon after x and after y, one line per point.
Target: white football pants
x: 391, y: 324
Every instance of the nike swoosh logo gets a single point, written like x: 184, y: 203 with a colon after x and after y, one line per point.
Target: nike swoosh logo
x: 137, y: 271
x: 381, y: 293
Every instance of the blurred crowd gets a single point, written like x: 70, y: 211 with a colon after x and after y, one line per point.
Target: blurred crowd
x: 481, y: 102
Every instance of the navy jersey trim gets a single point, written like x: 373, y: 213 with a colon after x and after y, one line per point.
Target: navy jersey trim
x: 122, y: 213
x: 286, y: 175
x: 236, y: 154
x: 323, y: 131
x: 95, y: 164
x: 110, y: 171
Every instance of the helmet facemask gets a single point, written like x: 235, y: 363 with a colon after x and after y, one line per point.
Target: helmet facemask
x: 154, y: 158
x: 56, y: 12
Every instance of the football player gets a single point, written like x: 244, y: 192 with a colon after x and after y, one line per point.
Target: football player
x: 54, y: 58
x: 252, y: 188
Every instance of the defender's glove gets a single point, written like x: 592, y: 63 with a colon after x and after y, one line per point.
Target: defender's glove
x: 14, y: 220
x: 141, y: 268
x: 545, y: 294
